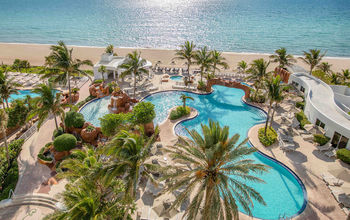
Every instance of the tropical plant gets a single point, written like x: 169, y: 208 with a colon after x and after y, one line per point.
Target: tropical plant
x: 109, y: 49
x: 74, y: 119
x: 102, y: 70
x: 204, y: 60
x: 3, y: 128
x: 282, y: 58
x: 25, y: 64
x: 64, y: 66
x: 274, y: 91
x: 186, y: 52
x: 65, y: 142
x: 143, y: 112
x: 217, y: 60
x: 113, y: 123
x: 335, y: 78
x: 345, y: 74
x: 312, y: 58
x: 91, y: 198
x: 128, y: 153
x: 47, y: 103
x: 184, y: 97
x: 7, y: 87
x: 215, y: 160
x: 134, y: 65
x: 325, y: 67
x: 258, y: 73
x: 16, y: 64
x: 243, y: 66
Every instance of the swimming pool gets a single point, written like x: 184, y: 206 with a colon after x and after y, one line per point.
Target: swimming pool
x: 23, y: 93
x: 176, y: 78
x: 284, y: 195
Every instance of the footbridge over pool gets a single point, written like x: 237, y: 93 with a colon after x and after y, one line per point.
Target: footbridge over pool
x: 228, y: 83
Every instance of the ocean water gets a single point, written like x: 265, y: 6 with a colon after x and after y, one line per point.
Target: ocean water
x: 229, y: 25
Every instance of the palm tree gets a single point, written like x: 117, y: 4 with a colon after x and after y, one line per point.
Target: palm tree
x: 3, y: 128
x: 109, y: 49
x: 91, y: 198
x: 134, y: 65
x: 184, y: 98
x: 274, y: 89
x: 278, y: 98
x: 312, y: 58
x: 128, y: 154
x: 282, y: 58
x: 102, y: 70
x: 203, y: 60
x: 258, y: 73
x: 204, y: 170
x: 325, y: 67
x: 186, y: 52
x: 345, y: 74
x: 61, y: 59
x: 7, y: 87
x: 243, y: 66
x: 81, y: 163
x: 335, y: 78
x: 218, y: 60
x: 48, y: 103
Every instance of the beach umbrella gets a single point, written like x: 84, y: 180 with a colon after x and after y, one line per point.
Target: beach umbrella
x: 340, y: 174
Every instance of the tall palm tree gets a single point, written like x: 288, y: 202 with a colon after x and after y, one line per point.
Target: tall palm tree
x: 61, y: 58
x: 109, y: 49
x: 274, y: 90
x: 90, y: 198
x: 282, y: 58
x: 204, y: 170
x: 258, y: 73
x: 47, y: 103
x: 102, y: 70
x: 3, y: 127
x: 312, y: 58
x: 345, y: 74
x: 186, y: 52
x: 218, y: 60
x: 243, y: 66
x: 184, y: 98
x: 134, y: 65
x: 203, y: 60
x: 7, y: 87
x: 335, y: 78
x: 325, y: 67
x: 278, y: 98
x: 128, y: 154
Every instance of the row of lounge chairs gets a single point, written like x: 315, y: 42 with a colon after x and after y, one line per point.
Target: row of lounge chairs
x: 335, y: 186
x: 169, y: 70
x: 185, y: 87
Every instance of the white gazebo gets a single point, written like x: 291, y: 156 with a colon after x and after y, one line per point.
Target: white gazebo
x: 112, y: 64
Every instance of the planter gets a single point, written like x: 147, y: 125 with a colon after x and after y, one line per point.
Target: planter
x: 59, y: 155
x: 89, y: 136
x: 149, y: 129
x: 45, y: 162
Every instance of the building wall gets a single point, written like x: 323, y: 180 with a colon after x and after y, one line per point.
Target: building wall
x: 313, y: 114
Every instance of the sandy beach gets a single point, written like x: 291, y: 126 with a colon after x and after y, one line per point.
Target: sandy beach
x: 35, y: 54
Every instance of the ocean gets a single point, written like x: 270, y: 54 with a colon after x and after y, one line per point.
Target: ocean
x: 228, y: 25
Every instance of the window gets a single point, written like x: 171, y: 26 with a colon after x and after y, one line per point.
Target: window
x: 302, y: 89
x: 320, y: 123
x: 339, y: 140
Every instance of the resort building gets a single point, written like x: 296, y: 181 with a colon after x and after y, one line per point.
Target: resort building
x: 112, y: 64
x: 327, y: 106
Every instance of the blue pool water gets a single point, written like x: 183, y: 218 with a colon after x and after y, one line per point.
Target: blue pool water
x: 176, y: 78
x: 229, y: 25
x: 282, y: 192
x: 23, y: 93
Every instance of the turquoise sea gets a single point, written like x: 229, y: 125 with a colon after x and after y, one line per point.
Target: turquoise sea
x: 229, y: 25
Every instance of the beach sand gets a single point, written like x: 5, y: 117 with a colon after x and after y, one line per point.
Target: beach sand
x: 35, y: 54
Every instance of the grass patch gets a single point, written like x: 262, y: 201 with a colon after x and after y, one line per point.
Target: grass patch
x: 269, y: 138
x: 179, y: 112
x: 301, y: 117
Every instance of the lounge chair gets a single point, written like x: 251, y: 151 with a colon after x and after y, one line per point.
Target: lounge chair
x: 326, y: 147
x: 330, y: 180
x: 330, y: 154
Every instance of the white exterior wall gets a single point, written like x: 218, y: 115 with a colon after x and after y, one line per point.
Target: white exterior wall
x: 312, y: 113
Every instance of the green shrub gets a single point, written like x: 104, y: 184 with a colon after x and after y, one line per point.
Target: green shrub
x: 348, y: 113
x: 42, y: 152
x: 98, y: 81
x: 321, y: 139
x: 65, y: 142
x: 111, y: 123
x: 344, y: 155
x: 270, y: 138
x: 58, y: 132
x: 179, y: 112
x: 17, y: 113
x: 90, y: 128
x: 301, y: 117
x: 81, y: 103
x: 74, y: 119
x: 143, y: 113
x: 300, y: 105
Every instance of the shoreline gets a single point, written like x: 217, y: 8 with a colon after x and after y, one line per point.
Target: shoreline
x: 35, y: 54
